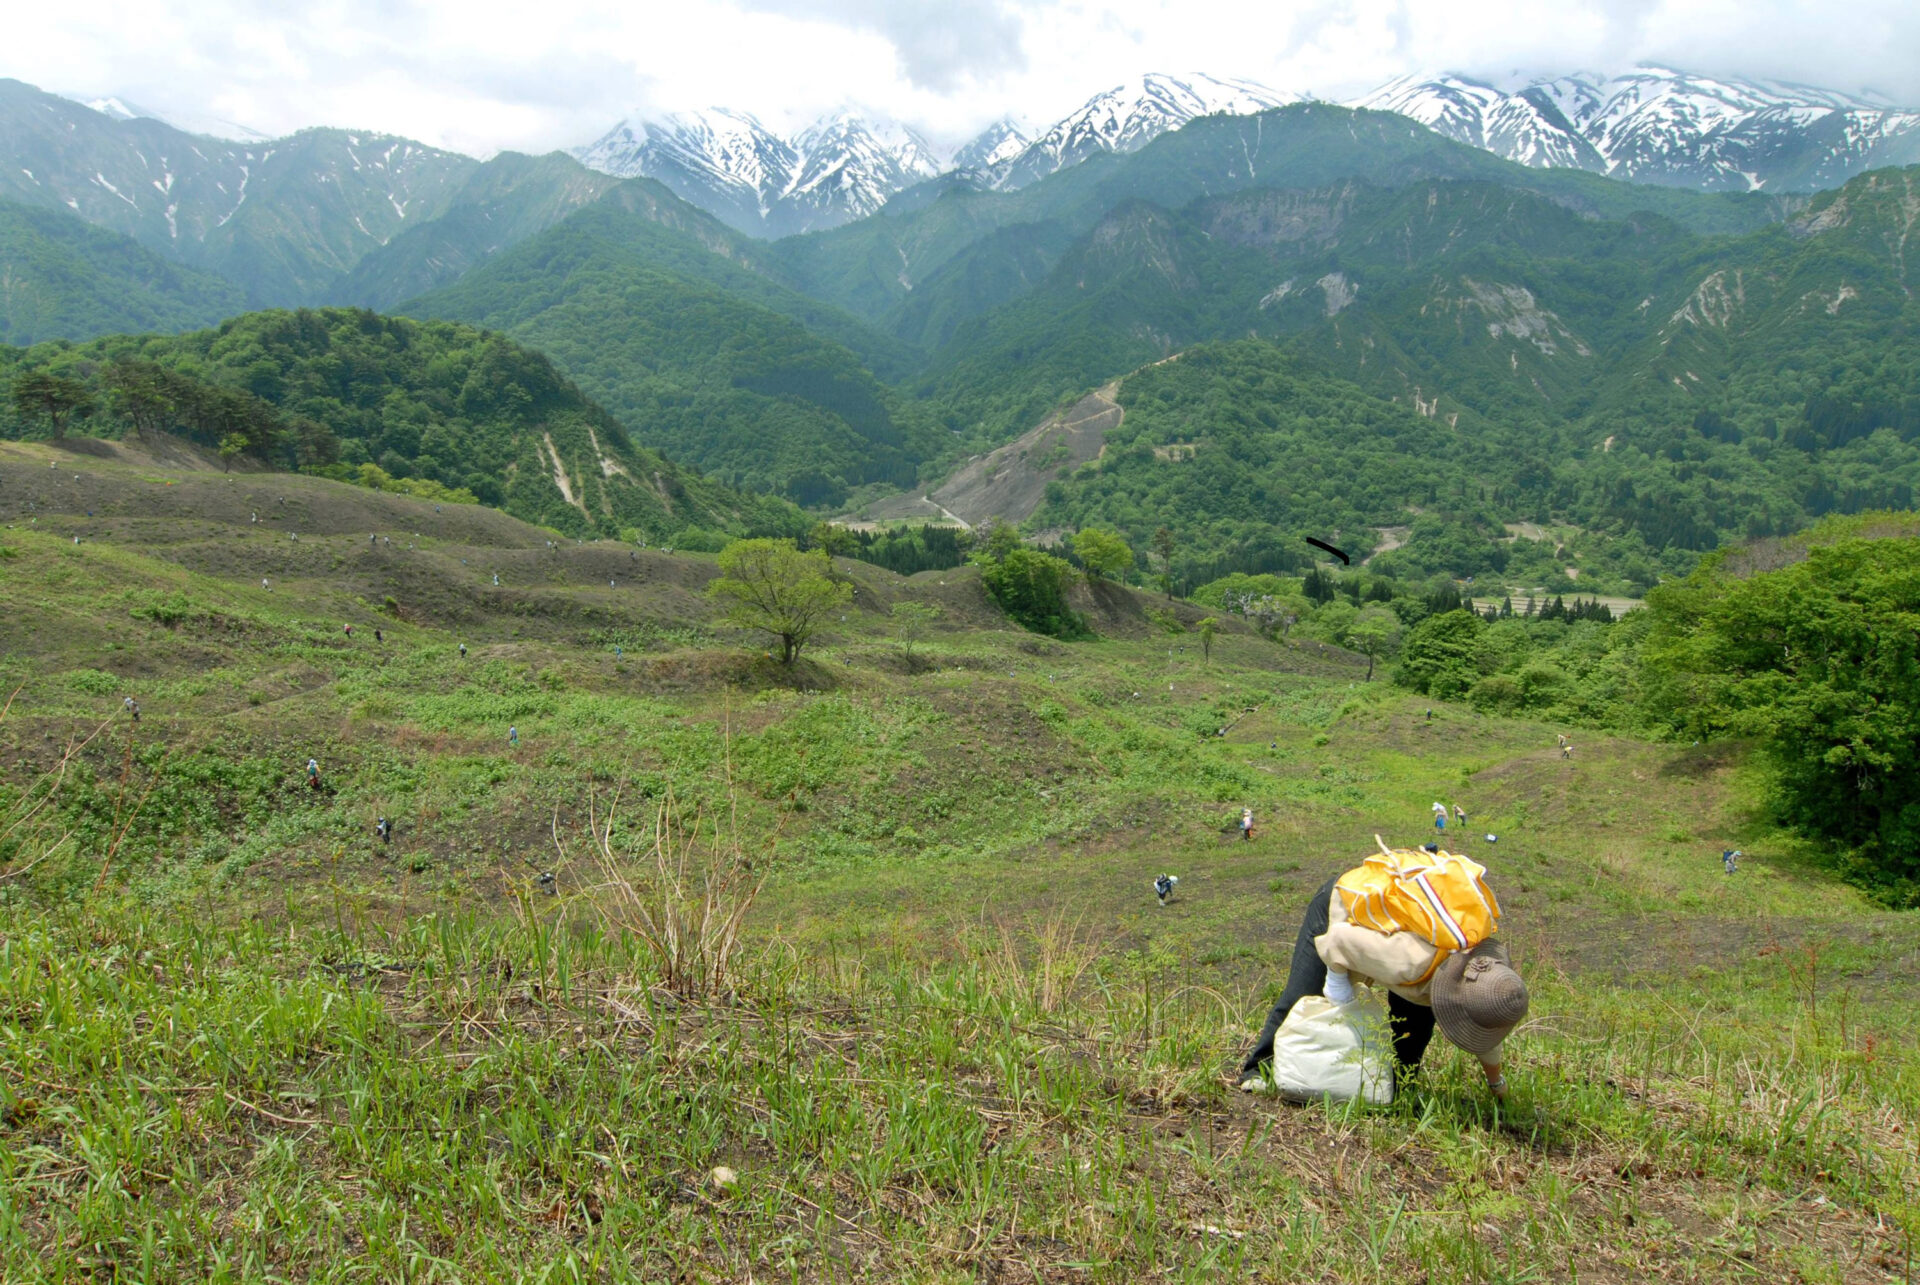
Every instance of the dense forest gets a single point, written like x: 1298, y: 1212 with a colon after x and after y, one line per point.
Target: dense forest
x: 334, y: 391
x: 63, y: 278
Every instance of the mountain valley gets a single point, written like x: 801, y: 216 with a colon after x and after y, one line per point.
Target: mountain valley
x: 1661, y: 368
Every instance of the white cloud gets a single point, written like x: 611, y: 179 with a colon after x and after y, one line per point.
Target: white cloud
x: 478, y: 75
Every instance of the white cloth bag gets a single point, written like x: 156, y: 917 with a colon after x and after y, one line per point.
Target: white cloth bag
x: 1337, y: 1051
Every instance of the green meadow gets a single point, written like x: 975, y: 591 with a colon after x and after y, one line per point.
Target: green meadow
x: 726, y: 971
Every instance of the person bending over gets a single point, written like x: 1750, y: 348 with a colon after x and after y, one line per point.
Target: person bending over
x: 1473, y: 996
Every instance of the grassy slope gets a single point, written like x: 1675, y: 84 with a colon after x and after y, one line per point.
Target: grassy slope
x: 965, y: 1044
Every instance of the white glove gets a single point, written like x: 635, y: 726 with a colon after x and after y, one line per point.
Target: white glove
x: 1338, y: 988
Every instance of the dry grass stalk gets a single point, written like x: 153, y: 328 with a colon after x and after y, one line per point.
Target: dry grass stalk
x: 1060, y: 956
x: 28, y: 826
x: 685, y: 894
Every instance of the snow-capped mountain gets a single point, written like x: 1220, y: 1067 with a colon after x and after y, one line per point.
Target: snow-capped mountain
x: 115, y: 107
x: 1127, y: 118
x: 846, y: 166
x: 726, y: 162
x: 839, y: 168
x: 998, y: 143
x: 849, y: 166
x: 1655, y: 125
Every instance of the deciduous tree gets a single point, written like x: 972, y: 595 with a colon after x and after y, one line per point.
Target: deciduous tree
x: 772, y: 587
x: 1104, y: 554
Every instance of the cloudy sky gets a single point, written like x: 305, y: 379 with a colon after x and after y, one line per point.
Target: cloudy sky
x: 481, y: 75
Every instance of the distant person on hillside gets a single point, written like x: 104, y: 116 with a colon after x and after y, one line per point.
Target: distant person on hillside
x: 1163, y: 887
x: 1471, y: 992
x: 513, y: 737
x: 1730, y: 858
x: 1566, y: 749
x: 1246, y: 824
x: 313, y: 774
x: 133, y: 708
x: 349, y: 631
x: 496, y: 579
x: 1440, y: 817
x: 384, y: 828
x: 379, y: 636
x: 263, y: 582
x: 463, y: 651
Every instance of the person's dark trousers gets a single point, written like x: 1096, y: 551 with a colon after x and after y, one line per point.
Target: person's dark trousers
x: 1411, y: 1023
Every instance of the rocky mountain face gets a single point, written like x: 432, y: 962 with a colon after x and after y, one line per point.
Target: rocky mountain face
x: 1655, y: 125
x: 840, y: 168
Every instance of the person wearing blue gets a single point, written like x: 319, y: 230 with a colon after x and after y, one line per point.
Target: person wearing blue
x: 1163, y: 887
x: 1440, y: 818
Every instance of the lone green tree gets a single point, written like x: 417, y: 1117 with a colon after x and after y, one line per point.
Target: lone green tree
x: 1376, y: 631
x: 772, y: 587
x: 40, y: 395
x: 912, y: 620
x: 1104, y: 554
x: 1209, y: 629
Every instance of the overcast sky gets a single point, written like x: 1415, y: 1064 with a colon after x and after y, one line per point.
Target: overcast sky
x: 481, y: 75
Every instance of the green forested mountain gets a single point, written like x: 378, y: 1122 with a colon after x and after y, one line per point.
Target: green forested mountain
x: 506, y: 200
x: 871, y: 266
x: 280, y: 219
x: 325, y: 215
x: 333, y: 390
x: 62, y: 278
x: 1620, y: 375
x: 668, y: 325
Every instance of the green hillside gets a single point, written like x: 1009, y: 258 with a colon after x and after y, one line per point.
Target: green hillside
x: 63, y: 278
x: 699, y: 355
x: 436, y: 403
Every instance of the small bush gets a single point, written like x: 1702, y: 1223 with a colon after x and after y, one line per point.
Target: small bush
x: 94, y: 682
x: 172, y: 609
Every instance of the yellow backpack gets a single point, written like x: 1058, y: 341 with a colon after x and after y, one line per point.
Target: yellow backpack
x: 1442, y: 897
